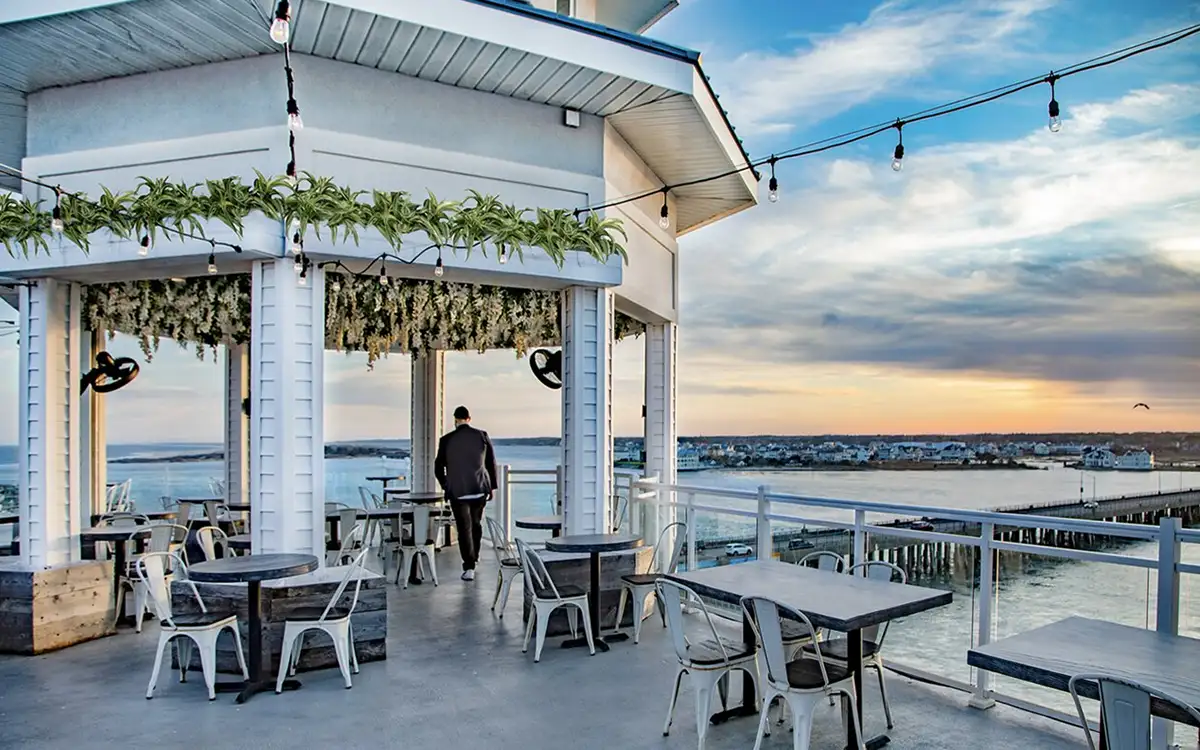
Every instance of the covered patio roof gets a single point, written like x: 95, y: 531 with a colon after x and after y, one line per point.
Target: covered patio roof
x: 655, y: 95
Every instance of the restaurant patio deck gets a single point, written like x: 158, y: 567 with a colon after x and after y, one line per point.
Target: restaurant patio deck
x: 454, y: 677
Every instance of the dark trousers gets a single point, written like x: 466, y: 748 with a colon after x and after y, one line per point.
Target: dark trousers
x: 468, y: 519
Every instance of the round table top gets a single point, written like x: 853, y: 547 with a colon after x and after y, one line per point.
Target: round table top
x: 105, y: 533
x: 10, y: 518
x: 336, y: 515
x: 395, y: 478
x: 539, y: 522
x: 200, y: 500
x: 238, y: 507
x: 594, y: 543
x: 396, y: 491
x: 424, y: 498
x: 252, y: 568
x: 239, y: 541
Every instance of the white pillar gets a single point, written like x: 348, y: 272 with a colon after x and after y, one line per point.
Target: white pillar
x: 587, y: 337
x: 237, y: 424
x: 48, y: 450
x: 428, y: 410
x: 92, y: 436
x: 661, y: 438
x: 287, y: 445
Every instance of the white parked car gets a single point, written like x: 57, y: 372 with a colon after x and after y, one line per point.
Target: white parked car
x: 738, y: 550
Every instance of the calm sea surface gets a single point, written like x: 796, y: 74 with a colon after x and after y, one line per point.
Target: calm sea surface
x: 1033, y: 590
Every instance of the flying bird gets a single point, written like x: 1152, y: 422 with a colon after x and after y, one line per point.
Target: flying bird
x: 1144, y: 406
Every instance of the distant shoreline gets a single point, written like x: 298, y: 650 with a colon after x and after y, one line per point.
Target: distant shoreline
x: 331, y: 451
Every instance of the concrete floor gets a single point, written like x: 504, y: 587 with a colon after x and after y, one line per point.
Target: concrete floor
x: 455, y: 677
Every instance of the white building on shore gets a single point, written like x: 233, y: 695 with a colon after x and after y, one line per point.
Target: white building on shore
x: 1139, y: 460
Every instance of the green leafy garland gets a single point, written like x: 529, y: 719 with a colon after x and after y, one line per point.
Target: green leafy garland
x: 360, y: 315
x: 157, y: 205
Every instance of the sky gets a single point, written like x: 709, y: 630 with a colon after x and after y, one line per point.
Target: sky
x: 1008, y: 279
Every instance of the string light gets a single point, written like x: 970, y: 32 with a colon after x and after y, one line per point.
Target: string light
x: 297, y: 244
x: 212, y: 264
x: 294, y: 121
x: 898, y: 153
x: 942, y: 110
x: 144, y: 246
x: 664, y: 218
x: 298, y: 264
x: 291, y: 173
x: 56, y: 220
x: 773, y: 185
x: 383, y: 279
x: 303, y: 279
x: 503, y: 256
x: 335, y: 282
x: 281, y: 28
x: 1055, y: 123
x: 439, y: 268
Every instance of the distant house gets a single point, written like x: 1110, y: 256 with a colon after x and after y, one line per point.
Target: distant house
x: 1041, y: 449
x: 1140, y: 460
x: 1100, y: 458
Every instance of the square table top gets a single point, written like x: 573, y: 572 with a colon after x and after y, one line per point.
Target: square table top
x: 1052, y: 654
x: 830, y: 600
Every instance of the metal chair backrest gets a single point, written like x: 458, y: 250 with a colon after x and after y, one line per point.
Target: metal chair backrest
x: 674, y: 595
x: 352, y: 539
x: 878, y: 570
x: 122, y: 519
x: 210, y: 538
x: 368, y: 498
x: 537, y: 578
x: 153, y: 569
x: 347, y: 519
x: 619, y: 505
x: 1125, y: 706
x: 501, y: 547
x: 424, y: 527
x: 765, y: 616
x: 671, y: 538
x: 354, y: 573
x: 825, y: 560
x: 163, y: 534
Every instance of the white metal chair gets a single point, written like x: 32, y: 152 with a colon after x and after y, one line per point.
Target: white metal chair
x: 547, y: 597
x: 836, y: 650
x: 202, y: 628
x: 334, y: 621
x: 164, y: 537
x: 351, y: 542
x: 825, y: 560
x: 639, y: 586
x: 211, y: 539
x: 800, y: 683
x: 1125, y: 710
x: 508, y: 562
x: 709, y: 661
x: 420, y: 545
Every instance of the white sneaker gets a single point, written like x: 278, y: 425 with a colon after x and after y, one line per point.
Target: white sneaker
x: 468, y: 575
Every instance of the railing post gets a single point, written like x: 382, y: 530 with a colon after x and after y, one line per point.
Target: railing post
x: 690, y: 514
x: 982, y: 699
x: 1167, y: 620
x: 860, y: 539
x: 766, y: 546
x: 504, y: 512
x: 560, y: 488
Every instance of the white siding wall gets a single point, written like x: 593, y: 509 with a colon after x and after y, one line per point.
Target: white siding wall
x: 49, y: 441
x: 587, y: 407
x: 237, y: 424
x: 286, y: 423
x: 428, y: 410
x: 661, y: 435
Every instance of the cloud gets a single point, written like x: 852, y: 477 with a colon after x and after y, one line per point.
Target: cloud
x: 1067, y: 258
x: 826, y: 74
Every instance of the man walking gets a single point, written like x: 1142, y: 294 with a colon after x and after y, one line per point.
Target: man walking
x: 465, y: 467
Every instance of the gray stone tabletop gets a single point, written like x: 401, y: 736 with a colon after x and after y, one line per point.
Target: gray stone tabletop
x: 252, y: 568
x: 594, y: 543
x: 539, y: 522
x: 109, y: 533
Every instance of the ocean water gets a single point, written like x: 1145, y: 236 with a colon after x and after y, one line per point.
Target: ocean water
x: 1032, y: 591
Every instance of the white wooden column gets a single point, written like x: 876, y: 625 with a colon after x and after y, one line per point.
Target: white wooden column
x: 587, y: 335
x: 661, y: 438
x: 92, y: 435
x: 287, y: 445
x: 48, y: 450
x: 237, y: 424
x: 428, y: 414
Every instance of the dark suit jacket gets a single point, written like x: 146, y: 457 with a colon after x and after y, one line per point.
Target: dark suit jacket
x: 466, y: 463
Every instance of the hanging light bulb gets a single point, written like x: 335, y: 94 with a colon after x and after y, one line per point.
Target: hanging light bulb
x: 898, y: 154
x: 144, y: 246
x: 298, y: 264
x: 1055, y: 123
x: 294, y: 121
x: 281, y: 27
x: 773, y: 185
x: 297, y: 244
x: 212, y: 264
x: 336, y: 282
x: 303, y: 280
x: 503, y: 256
x: 439, y: 268
x: 291, y: 174
x: 383, y: 277
x: 664, y: 218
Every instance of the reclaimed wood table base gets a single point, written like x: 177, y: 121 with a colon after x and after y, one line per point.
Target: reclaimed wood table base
x: 253, y: 570
x: 594, y: 544
x: 830, y: 600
